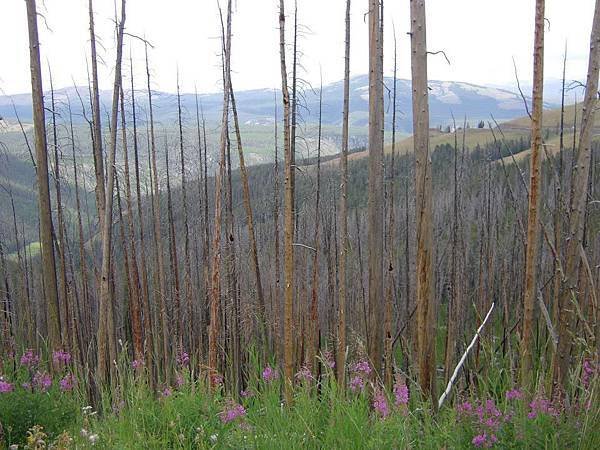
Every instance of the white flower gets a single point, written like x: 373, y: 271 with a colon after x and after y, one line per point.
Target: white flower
x: 93, y: 438
x: 213, y: 437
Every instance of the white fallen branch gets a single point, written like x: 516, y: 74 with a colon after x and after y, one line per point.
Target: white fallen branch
x: 463, y: 359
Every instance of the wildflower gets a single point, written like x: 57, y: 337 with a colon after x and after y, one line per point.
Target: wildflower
x: 246, y: 393
x: 539, y: 406
x: 60, y: 357
x: 93, y: 438
x: 357, y: 384
x: 588, y: 371
x: 5, y: 387
x: 514, y: 394
x: 231, y: 412
x: 464, y: 408
x: 362, y: 367
x: 166, y: 392
x: 42, y: 381
x: 30, y: 359
x: 179, y: 380
x: 67, y: 383
x: 328, y: 359
x: 380, y: 404
x: 137, y: 364
x: 479, y: 440
x: 269, y: 374
x: 304, y: 374
x: 217, y: 379
x: 183, y: 359
x: 401, y: 393
x: 213, y: 438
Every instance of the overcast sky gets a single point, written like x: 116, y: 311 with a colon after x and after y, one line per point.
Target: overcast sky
x: 479, y: 36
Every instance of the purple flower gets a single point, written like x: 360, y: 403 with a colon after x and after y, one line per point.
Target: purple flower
x: 137, y: 364
x: 362, y: 367
x: 30, y: 359
x: 5, y: 387
x: 183, y: 359
x: 479, y: 440
x: 179, y: 380
x: 380, y: 404
x: 357, y: 384
x: 246, y: 393
x: 514, y: 394
x: 304, y: 374
x: 42, y: 381
x: 231, y: 412
x: 541, y: 405
x: 464, y: 408
x: 166, y: 392
x: 216, y: 379
x: 328, y: 359
x: 60, y: 357
x: 269, y: 374
x: 67, y: 383
x: 588, y: 371
x: 401, y: 393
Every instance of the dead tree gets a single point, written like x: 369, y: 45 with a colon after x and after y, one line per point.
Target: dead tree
x: 425, y: 283
x: 571, y: 293
x: 107, y: 348
x: 45, y: 209
x: 375, y: 198
x: 343, y: 211
x: 215, y: 292
x: 288, y: 220
x: 533, y: 226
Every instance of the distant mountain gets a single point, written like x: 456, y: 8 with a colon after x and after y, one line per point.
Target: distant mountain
x: 256, y: 107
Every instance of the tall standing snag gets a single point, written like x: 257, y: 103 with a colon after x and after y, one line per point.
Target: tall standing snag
x: 533, y: 226
x: 41, y: 153
x: 579, y: 190
x: 341, y: 343
x: 425, y: 283
x: 375, y: 200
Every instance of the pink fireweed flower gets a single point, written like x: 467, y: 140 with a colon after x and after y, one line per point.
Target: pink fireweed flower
x: 42, y: 381
x: 231, y: 412
x: 401, y: 393
x: 362, y: 367
x: 304, y: 374
x: 137, y: 364
x: 464, y: 408
x: 479, y: 440
x: 541, y: 405
x: 380, y: 404
x: 217, y: 379
x: 166, y: 392
x: 514, y: 394
x: 183, y: 359
x: 588, y: 371
x: 357, y: 384
x: 269, y: 374
x: 67, y: 383
x: 30, y: 359
x: 246, y: 393
x: 328, y: 359
x: 6, y: 387
x: 179, y: 380
x: 60, y: 357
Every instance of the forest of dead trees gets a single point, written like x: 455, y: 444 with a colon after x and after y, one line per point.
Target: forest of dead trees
x: 397, y: 258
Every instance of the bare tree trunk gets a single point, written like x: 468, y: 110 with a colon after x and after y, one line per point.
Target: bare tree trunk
x: 533, y: 226
x: 288, y: 220
x: 145, y: 304
x: 160, y: 265
x: 107, y: 349
x: 424, y: 198
x: 375, y: 200
x: 580, y: 179
x: 45, y: 209
x: 96, y: 123
x: 344, y: 245
x: 215, y: 294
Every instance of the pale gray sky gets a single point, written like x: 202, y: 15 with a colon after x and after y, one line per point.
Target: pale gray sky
x: 479, y: 36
